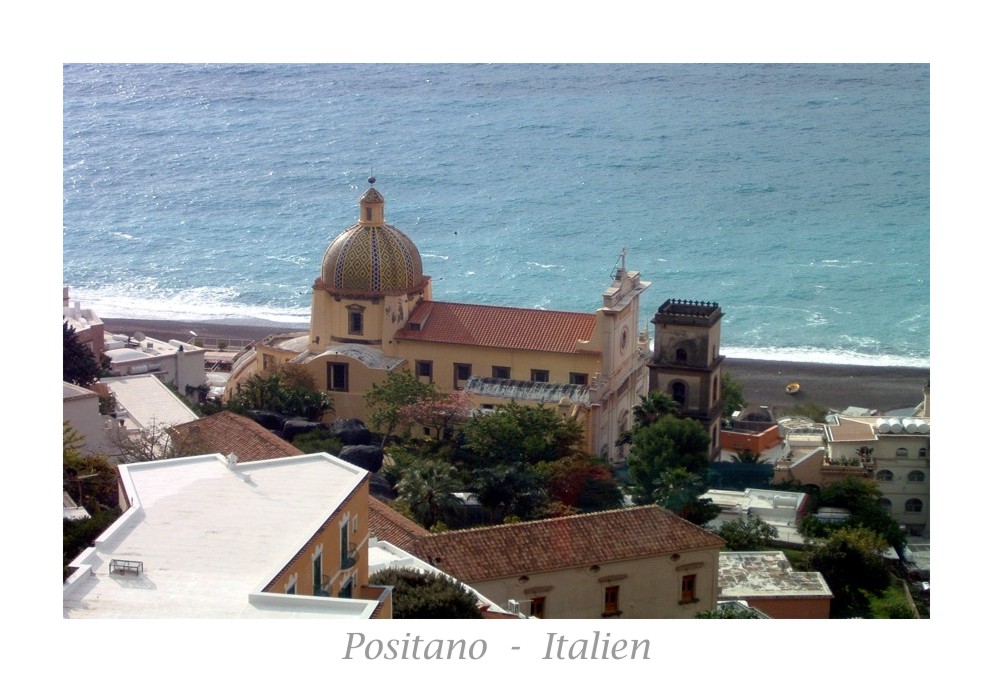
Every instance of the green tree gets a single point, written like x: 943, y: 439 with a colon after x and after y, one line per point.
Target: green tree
x: 863, y: 498
x: 280, y: 392
x: 852, y: 564
x: 386, y: 400
x: 747, y: 533
x: 428, y: 486
x: 517, y: 433
x: 653, y: 407
x: 748, y: 457
x: 419, y: 595
x: 679, y: 490
x: 79, y: 366
x: 513, y: 489
x: 665, y: 445
x: 732, y: 393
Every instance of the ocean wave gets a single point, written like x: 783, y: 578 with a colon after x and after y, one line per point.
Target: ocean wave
x: 825, y: 356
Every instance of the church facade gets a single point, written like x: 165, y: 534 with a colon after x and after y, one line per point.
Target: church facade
x: 373, y: 312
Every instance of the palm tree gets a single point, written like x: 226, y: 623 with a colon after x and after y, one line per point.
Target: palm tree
x: 747, y: 456
x: 428, y: 488
x: 653, y: 407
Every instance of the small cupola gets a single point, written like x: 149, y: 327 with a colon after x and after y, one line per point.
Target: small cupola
x: 372, y: 206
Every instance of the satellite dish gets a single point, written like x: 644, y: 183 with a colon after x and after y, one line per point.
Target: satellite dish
x: 139, y: 336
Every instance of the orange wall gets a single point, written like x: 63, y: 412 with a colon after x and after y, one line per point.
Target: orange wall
x: 789, y: 608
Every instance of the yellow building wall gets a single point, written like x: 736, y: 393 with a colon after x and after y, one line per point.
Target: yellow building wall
x: 327, y: 543
x: 650, y: 588
x: 482, y: 359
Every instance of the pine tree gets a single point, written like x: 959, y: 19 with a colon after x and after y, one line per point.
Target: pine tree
x: 79, y: 367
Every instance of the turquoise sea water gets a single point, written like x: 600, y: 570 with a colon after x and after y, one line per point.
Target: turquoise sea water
x: 796, y: 196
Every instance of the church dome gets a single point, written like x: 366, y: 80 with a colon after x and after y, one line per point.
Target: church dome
x: 372, y: 257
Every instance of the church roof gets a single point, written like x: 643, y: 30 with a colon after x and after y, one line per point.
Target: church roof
x: 503, y: 327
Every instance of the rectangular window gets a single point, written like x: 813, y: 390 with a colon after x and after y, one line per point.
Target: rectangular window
x: 425, y: 369
x: 344, y: 544
x: 539, y: 375
x: 688, y: 593
x: 337, y: 377
x: 346, y: 589
x: 611, y: 600
x: 355, y: 325
x: 501, y: 372
x: 537, y: 607
x: 462, y: 373
x: 317, y: 574
x: 578, y: 378
x: 291, y: 589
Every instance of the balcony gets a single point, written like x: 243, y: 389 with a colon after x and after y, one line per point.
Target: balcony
x: 349, y: 558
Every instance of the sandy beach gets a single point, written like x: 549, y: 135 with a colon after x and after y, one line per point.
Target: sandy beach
x: 836, y: 386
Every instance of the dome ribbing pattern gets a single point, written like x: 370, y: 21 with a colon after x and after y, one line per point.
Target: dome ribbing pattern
x: 372, y: 257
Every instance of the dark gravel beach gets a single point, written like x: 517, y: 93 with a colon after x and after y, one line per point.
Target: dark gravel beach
x: 836, y: 386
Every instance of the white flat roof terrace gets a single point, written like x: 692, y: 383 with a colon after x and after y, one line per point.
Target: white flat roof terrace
x: 209, y: 537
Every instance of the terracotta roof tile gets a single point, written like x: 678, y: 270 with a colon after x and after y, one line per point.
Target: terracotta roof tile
x: 388, y: 525
x: 488, y: 553
x: 226, y: 432
x: 504, y: 327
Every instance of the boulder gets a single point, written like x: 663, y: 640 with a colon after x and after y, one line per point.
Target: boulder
x: 365, y: 456
x: 351, y: 432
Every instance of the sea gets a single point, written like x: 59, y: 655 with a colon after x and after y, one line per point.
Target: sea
x: 796, y: 196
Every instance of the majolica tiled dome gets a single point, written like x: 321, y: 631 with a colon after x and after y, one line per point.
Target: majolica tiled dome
x: 372, y: 256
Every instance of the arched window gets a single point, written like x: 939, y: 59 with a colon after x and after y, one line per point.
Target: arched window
x: 886, y: 505
x: 681, y: 355
x: 923, y: 453
x: 914, y: 505
x: 679, y: 392
x: 902, y: 452
x: 917, y: 476
x: 883, y: 476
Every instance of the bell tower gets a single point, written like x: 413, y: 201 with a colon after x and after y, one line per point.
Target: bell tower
x: 686, y: 362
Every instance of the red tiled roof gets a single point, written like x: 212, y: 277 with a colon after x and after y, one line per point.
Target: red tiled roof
x: 226, y: 432
x: 388, y: 525
x: 504, y: 327
x: 487, y: 553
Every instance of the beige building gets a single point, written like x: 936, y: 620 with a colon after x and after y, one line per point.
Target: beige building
x: 641, y: 563
x: 892, y: 451
x: 211, y: 537
x: 373, y: 312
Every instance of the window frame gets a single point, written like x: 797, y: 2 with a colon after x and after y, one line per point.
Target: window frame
x: 457, y: 370
x: 333, y: 382
x: 499, y: 370
x: 687, y: 586
x: 422, y: 365
x: 611, y: 600
x: 578, y: 378
x: 536, y: 373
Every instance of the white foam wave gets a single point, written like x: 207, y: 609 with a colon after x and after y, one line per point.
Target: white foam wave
x: 546, y: 266
x: 206, y: 304
x: 823, y: 356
